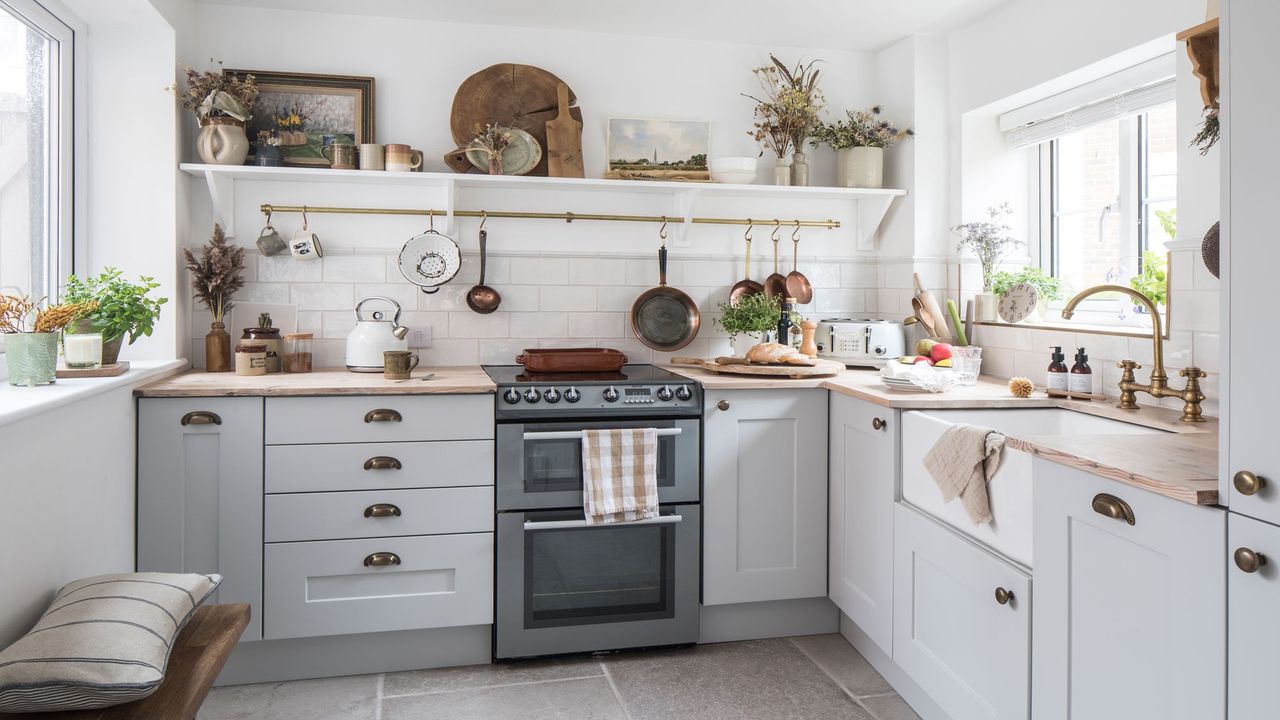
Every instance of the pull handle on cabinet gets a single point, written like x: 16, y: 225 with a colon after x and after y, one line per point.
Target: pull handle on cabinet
x: 723, y: 404
x: 1248, y: 560
x: 878, y: 424
x: 1003, y: 596
x: 1113, y: 507
x: 381, y: 510
x: 381, y: 559
x: 382, y: 415
x: 382, y: 462
x: 201, y: 417
x: 1248, y: 483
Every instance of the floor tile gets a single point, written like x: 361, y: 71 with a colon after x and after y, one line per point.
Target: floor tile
x: 344, y: 698
x: 754, y: 680
x: 477, y: 676
x: 585, y: 699
x: 835, y: 655
x: 890, y: 707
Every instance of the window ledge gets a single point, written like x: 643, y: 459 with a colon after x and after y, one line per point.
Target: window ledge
x: 1083, y: 328
x: 17, y: 403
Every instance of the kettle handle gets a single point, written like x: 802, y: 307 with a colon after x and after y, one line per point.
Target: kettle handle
x: 394, y: 321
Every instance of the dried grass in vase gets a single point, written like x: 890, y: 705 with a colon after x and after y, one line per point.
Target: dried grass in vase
x: 217, y: 274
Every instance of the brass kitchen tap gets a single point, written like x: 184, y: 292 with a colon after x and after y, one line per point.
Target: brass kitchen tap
x: 1158, y: 387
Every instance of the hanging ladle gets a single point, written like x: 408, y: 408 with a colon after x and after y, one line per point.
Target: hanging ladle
x: 482, y: 298
x: 798, y: 286
x: 746, y: 286
x: 775, y: 285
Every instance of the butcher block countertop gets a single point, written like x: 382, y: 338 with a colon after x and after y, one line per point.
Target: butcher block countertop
x: 461, y: 380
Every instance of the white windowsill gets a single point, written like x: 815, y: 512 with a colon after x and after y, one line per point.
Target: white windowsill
x: 17, y: 403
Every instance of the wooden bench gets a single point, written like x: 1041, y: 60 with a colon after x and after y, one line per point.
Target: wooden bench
x: 199, y: 652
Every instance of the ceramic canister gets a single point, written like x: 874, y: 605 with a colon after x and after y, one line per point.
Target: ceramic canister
x: 402, y: 158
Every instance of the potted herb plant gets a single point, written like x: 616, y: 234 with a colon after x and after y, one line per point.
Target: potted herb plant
x: 1047, y: 287
x: 1152, y: 280
x: 216, y: 276
x: 31, y: 336
x: 750, y: 321
x: 223, y: 104
x: 990, y: 240
x: 123, y: 308
x: 786, y: 115
x: 860, y: 141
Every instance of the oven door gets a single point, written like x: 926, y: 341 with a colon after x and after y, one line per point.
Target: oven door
x: 564, y: 586
x: 539, y: 465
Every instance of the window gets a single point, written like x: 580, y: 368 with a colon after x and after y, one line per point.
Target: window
x: 35, y: 148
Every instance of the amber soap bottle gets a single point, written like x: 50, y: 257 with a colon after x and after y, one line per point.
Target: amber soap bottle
x: 1057, y: 383
x: 1080, y: 383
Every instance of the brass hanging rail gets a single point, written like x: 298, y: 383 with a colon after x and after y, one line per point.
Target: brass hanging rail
x: 565, y: 216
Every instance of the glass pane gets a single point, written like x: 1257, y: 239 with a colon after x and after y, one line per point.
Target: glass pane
x: 1162, y: 176
x: 556, y: 465
x: 1089, y: 241
x: 24, y: 156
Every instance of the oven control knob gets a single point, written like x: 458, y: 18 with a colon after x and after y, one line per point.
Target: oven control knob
x: 532, y: 395
x: 572, y: 395
x: 611, y: 394
x: 552, y: 395
x: 512, y: 396
x: 684, y: 393
x: 664, y: 393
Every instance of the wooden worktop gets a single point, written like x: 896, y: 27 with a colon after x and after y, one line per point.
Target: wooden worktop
x: 461, y: 380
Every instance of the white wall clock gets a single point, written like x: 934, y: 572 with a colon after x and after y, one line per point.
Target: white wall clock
x: 1018, y: 304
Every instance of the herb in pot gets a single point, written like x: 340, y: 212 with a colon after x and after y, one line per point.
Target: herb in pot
x: 753, y: 314
x: 1153, y: 280
x: 1048, y: 287
x: 123, y: 307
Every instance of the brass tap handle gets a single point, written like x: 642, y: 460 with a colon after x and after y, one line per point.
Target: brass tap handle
x: 1128, y: 398
x: 1191, y: 396
x: 1193, y: 373
x: 1128, y: 366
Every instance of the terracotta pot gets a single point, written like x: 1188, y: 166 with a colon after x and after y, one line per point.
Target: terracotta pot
x: 222, y: 141
x: 217, y: 349
x: 860, y: 167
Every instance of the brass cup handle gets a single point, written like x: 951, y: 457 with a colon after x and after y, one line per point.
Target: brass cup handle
x: 382, y: 415
x: 382, y: 462
x: 1113, y: 507
x: 201, y: 417
x: 381, y: 559
x: 1247, y: 483
x: 1248, y: 560
x: 381, y: 510
x: 878, y: 424
x: 1003, y: 596
x: 723, y: 404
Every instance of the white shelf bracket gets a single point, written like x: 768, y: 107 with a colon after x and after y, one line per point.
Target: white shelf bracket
x: 869, y: 214
x: 222, y: 195
x: 682, y: 207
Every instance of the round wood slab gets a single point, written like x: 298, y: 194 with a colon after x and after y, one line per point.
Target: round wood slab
x: 520, y: 96
x: 820, y: 368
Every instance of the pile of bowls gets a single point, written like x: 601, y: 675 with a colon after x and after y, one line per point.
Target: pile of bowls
x: 735, y: 170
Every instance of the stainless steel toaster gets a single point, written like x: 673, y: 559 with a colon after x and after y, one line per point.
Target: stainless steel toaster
x: 861, y: 341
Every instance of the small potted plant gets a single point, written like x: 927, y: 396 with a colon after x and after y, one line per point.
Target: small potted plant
x: 786, y: 116
x: 1152, y: 280
x: 1047, y: 287
x: 860, y: 141
x: 123, y: 308
x: 990, y: 240
x: 216, y: 276
x: 31, y: 336
x: 750, y: 321
x: 223, y: 104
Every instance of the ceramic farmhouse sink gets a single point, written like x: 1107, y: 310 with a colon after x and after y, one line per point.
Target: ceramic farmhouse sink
x: 1010, y: 490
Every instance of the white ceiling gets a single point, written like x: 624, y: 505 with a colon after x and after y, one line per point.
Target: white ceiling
x: 839, y: 24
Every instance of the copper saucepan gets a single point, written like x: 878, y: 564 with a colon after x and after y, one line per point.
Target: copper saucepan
x: 775, y: 286
x: 798, y: 286
x: 746, y: 286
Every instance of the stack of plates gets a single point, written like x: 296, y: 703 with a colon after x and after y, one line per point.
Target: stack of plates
x: 901, y: 385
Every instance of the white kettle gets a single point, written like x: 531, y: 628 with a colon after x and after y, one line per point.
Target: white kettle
x: 371, y: 338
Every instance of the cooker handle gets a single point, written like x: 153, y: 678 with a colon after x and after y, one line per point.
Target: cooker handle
x: 569, y: 524
x: 577, y: 434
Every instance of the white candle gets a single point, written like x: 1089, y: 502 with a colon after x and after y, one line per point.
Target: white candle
x: 83, y: 351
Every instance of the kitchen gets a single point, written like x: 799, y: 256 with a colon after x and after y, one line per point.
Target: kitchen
x: 801, y: 552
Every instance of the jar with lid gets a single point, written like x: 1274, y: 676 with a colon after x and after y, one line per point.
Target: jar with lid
x: 251, y: 359
x: 264, y: 334
x: 298, y: 352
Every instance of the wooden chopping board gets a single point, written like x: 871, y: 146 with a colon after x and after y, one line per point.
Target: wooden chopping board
x: 520, y: 96
x: 564, y: 140
x: 820, y: 368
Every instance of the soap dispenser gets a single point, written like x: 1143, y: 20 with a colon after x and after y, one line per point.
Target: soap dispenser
x: 1057, y: 383
x: 1080, y: 382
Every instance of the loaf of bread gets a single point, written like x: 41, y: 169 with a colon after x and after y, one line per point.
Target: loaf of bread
x: 777, y: 354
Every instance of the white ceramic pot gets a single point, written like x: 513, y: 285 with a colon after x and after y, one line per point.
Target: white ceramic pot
x: 986, y: 307
x: 743, y: 342
x: 222, y: 141
x: 782, y: 172
x: 860, y: 167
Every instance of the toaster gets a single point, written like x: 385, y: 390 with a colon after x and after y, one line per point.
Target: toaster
x: 860, y: 341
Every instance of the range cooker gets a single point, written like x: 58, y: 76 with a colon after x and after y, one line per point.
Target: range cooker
x: 564, y: 586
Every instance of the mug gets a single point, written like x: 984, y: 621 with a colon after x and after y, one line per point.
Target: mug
x: 372, y: 157
x: 341, y: 156
x: 397, y: 364
x: 305, y: 245
x: 402, y: 158
x: 270, y: 242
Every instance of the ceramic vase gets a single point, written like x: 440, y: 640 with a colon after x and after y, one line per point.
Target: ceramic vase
x: 217, y: 349
x: 800, y: 169
x: 986, y: 307
x: 222, y: 141
x: 860, y: 167
x: 32, y: 358
x: 782, y: 172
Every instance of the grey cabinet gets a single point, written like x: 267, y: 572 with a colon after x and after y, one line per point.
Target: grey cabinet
x: 200, y: 493
x: 764, y: 495
x: 1253, y: 594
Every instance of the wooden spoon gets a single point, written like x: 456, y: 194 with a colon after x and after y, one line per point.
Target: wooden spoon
x: 482, y: 298
x: 798, y: 286
x: 776, y: 284
x: 746, y: 286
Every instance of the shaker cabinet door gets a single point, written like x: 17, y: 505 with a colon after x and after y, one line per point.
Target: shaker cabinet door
x: 1253, y: 640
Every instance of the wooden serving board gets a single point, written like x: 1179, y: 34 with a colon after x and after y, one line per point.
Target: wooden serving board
x: 511, y: 95
x: 564, y: 140
x: 820, y: 368
x: 112, y: 370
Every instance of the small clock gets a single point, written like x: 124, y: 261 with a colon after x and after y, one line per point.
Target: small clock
x: 1018, y: 304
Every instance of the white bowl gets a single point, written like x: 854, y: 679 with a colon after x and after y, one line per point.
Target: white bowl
x: 737, y: 170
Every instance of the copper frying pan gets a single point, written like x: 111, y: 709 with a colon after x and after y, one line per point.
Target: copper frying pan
x: 664, y: 318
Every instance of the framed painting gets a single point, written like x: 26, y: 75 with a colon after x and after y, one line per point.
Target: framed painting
x: 307, y: 111
x: 641, y: 149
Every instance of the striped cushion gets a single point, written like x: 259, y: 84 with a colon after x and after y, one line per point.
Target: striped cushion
x: 105, y: 640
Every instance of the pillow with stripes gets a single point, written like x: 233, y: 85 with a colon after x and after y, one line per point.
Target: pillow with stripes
x: 104, y: 641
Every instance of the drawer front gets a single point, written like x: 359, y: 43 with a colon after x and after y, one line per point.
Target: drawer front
x: 325, y: 588
x: 377, y: 513
x: 381, y: 418
x: 376, y: 466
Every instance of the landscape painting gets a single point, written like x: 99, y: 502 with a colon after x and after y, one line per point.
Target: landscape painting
x: 305, y: 112
x: 640, y: 149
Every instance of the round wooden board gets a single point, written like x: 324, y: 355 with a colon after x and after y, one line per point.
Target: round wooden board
x: 823, y: 368
x: 521, y: 96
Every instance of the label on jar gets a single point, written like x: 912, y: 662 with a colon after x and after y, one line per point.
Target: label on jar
x: 1080, y: 383
x: 1058, y: 382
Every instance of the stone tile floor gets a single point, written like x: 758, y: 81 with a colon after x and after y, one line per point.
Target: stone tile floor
x: 818, y: 677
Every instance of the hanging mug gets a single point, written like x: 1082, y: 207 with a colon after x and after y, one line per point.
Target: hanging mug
x: 269, y: 240
x: 305, y: 245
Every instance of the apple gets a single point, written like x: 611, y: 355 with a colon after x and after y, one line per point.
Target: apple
x: 940, y: 351
x: 922, y: 359
x: 924, y: 346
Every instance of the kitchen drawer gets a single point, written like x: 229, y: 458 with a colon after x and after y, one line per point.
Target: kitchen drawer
x: 325, y: 588
x: 368, y: 466
x: 298, y: 420
x: 342, y: 515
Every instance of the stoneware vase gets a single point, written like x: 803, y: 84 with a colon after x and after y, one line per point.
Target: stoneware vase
x: 217, y: 349
x: 800, y: 169
x: 986, y: 307
x: 782, y: 172
x: 860, y: 167
x: 32, y: 358
x: 222, y: 141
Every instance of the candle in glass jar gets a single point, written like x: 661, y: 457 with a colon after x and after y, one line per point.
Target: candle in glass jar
x: 82, y: 350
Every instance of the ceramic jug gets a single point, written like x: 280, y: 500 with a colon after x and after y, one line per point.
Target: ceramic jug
x: 222, y: 141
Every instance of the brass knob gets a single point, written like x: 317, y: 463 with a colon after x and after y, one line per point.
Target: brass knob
x: 1113, y: 507
x: 201, y: 417
x: 382, y: 462
x: 723, y: 404
x: 382, y: 415
x: 381, y: 559
x: 1248, y: 560
x: 1248, y: 483
x: 1194, y: 373
x: 381, y: 510
x: 878, y: 424
x: 1003, y: 596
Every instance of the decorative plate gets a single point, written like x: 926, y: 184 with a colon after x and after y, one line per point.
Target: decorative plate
x: 1018, y: 304
x: 522, y: 155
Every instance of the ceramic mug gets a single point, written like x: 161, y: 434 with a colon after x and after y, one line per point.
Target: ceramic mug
x: 341, y: 156
x: 372, y: 156
x: 397, y: 364
x: 305, y: 245
x: 402, y: 158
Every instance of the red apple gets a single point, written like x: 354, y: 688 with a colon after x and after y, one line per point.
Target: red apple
x: 940, y: 352
x: 921, y: 359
